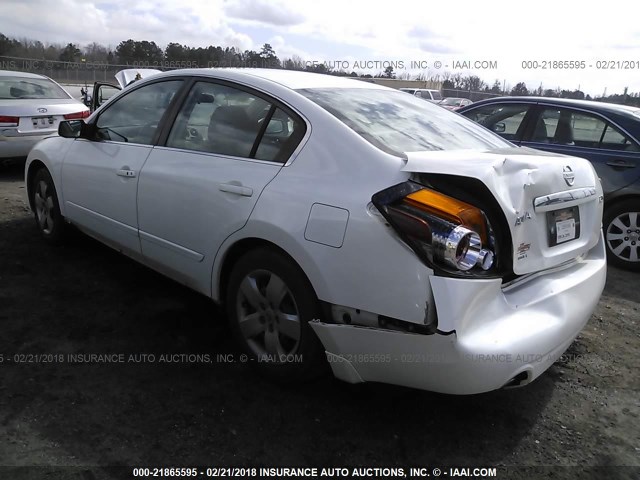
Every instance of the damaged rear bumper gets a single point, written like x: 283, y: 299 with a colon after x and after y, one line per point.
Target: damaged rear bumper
x: 498, y: 334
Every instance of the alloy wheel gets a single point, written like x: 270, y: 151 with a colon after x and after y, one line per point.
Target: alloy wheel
x: 45, y: 208
x: 623, y: 236
x: 267, y: 315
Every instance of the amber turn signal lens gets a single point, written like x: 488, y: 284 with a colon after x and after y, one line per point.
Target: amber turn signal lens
x: 452, y: 209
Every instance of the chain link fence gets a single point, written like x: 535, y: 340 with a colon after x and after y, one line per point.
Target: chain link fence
x: 79, y: 73
x: 88, y: 72
x: 470, y: 94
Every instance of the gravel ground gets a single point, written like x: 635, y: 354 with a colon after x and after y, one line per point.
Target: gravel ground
x: 85, y: 298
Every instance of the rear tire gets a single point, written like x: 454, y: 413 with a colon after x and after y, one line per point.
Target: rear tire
x: 269, y: 305
x: 621, y: 225
x: 49, y: 220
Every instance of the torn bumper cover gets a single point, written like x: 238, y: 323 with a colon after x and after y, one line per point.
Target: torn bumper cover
x: 499, y: 333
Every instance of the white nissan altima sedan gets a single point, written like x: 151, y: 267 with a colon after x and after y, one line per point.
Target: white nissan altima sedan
x: 341, y: 223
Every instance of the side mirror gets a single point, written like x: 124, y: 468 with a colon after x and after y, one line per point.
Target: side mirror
x: 70, y: 128
x: 275, y: 127
x: 499, y: 127
x: 205, y: 98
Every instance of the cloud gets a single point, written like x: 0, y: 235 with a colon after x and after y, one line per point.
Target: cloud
x: 420, y: 31
x: 263, y: 11
x: 191, y: 22
x: 358, y: 30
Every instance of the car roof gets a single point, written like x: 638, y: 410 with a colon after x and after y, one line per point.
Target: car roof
x: 294, y: 80
x: 570, y: 102
x: 11, y: 73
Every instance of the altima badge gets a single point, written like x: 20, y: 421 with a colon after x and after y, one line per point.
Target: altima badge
x: 568, y: 175
x: 521, y: 218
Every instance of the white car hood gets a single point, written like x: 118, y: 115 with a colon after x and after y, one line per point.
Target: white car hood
x: 125, y: 77
x: 515, y: 177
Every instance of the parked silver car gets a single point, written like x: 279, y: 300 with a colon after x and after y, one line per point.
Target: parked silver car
x: 31, y: 107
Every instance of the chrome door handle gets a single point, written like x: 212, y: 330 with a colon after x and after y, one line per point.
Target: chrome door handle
x: 126, y: 173
x: 621, y: 164
x: 236, y: 189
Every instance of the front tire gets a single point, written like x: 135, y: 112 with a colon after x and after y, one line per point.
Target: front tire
x: 47, y: 214
x: 269, y: 304
x: 622, y: 234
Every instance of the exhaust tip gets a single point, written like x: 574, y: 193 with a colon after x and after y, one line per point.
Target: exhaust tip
x: 520, y: 380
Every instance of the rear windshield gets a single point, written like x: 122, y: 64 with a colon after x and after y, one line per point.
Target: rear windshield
x: 17, y: 88
x: 436, y: 95
x: 396, y: 122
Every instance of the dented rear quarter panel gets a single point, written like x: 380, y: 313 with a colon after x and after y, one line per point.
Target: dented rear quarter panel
x: 516, y: 177
x: 373, y: 269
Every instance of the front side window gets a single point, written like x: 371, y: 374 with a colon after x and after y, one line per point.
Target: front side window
x: 224, y: 120
x: 503, y: 119
x: 135, y: 117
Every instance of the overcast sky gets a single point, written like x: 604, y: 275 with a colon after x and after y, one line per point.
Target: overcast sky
x: 358, y: 30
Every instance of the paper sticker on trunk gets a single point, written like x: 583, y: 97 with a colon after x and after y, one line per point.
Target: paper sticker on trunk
x: 563, y: 225
x: 565, y: 230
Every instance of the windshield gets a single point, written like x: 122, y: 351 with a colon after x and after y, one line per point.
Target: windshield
x: 408, y: 90
x: 396, y: 123
x: 451, y: 101
x: 436, y: 95
x: 13, y: 88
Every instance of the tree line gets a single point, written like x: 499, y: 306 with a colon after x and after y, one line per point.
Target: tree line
x: 141, y: 53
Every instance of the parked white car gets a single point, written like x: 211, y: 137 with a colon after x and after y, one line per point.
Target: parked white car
x: 339, y: 221
x: 31, y: 107
x: 428, y: 94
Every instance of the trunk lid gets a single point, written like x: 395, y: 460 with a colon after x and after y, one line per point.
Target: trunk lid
x: 552, y: 203
x: 41, y: 115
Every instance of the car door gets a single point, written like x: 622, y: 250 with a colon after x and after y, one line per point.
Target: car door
x: 226, y: 144
x: 102, y: 91
x: 507, y: 119
x: 580, y: 133
x: 100, y: 174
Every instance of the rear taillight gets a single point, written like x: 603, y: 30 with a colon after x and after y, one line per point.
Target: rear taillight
x: 6, y: 121
x: 442, y: 230
x: 77, y: 115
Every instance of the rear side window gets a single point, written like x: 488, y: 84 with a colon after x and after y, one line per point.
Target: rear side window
x: 281, y: 137
x: 396, y: 122
x: 224, y: 120
x: 614, y: 139
x: 571, y: 127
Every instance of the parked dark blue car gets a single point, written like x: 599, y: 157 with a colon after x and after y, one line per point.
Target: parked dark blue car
x: 606, y: 134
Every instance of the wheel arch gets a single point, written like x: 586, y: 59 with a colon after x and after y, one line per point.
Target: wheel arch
x: 613, y: 202
x: 235, y: 251
x: 34, y: 166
